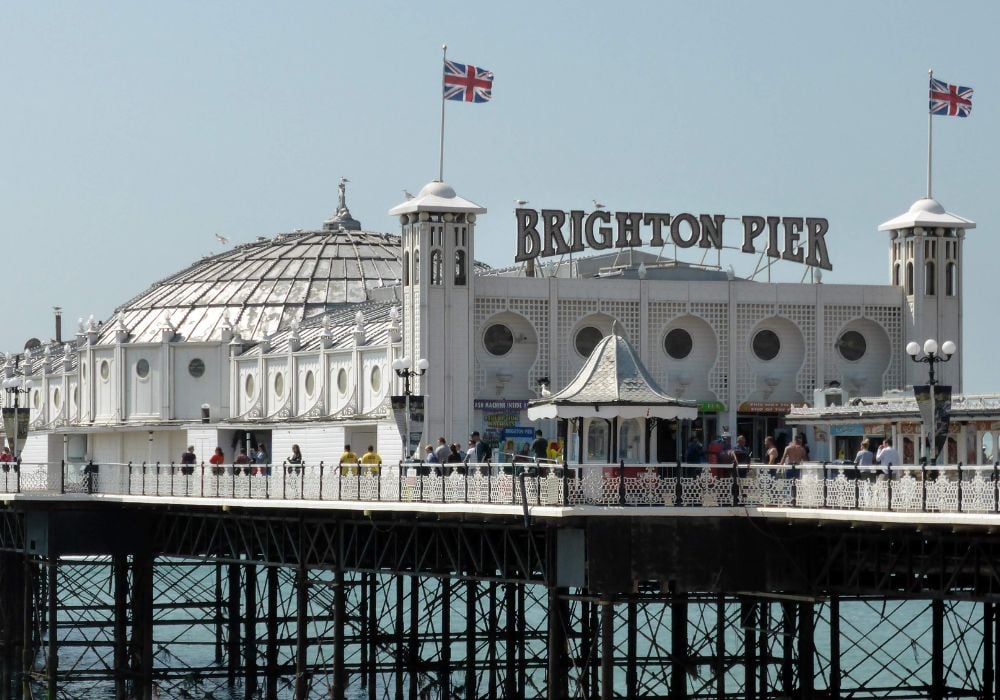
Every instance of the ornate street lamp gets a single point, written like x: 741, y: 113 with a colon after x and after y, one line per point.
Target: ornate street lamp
x: 932, y: 355
x: 405, y: 370
x: 14, y: 386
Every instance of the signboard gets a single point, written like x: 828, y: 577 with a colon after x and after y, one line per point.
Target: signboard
x: 502, y: 420
x: 711, y: 407
x: 518, y: 433
x: 500, y: 405
x: 10, y: 415
x: 409, y: 414
x: 549, y: 232
x: 764, y: 407
x: 848, y: 430
x: 875, y: 429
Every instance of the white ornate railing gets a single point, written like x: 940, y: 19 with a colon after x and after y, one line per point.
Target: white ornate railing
x: 945, y: 489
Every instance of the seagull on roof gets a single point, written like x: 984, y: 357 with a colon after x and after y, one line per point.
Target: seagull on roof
x: 407, y: 194
x: 597, y: 205
x: 221, y: 239
x: 520, y: 202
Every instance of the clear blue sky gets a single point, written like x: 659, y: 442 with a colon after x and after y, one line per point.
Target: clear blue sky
x: 133, y: 132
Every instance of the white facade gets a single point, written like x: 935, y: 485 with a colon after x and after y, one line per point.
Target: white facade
x: 299, y: 349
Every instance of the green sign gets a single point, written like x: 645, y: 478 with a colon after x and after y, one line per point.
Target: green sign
x: 711, y: 407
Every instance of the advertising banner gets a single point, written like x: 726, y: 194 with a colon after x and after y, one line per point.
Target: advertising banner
x: 408, y: 412
x: 416, y: 422
x: 942, y: 416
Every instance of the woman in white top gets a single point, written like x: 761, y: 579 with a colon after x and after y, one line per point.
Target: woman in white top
x: 864, y: 457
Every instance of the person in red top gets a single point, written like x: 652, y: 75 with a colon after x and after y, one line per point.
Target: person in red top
x: 6, y: 456
x: 217, y: 460
x: 242, y: 458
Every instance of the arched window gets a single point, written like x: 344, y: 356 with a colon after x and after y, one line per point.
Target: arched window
x: 929, y: 278
x: 951, y: 279
x: 416, y: 266
x: 406, y: 269
x: 436, y: 267
x: 895, y: 274
x: 459, y: 268
x: 909, y: 278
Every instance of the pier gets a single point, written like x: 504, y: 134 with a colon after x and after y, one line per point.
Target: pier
x: 651, y: 581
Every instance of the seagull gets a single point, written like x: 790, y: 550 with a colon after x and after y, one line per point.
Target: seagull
x: 597, y: 205
x: 545, y: 391
x: 407, y: 194
x: 520, y: 202
x: 221, y: 239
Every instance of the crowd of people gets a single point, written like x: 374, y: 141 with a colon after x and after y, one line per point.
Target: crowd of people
x: 721, y: 451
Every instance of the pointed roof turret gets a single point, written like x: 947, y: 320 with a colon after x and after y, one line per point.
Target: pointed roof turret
x: 612, y: 382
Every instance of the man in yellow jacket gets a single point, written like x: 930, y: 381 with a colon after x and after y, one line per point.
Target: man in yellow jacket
x: 348, y: 462
x: 372, y: 460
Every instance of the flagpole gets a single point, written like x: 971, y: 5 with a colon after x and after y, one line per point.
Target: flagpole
x: 444, y: 57
x: 930, y: 73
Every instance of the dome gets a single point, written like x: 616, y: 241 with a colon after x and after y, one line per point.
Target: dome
x: 438, y: 189
x: 259, y: 288
x: 930, y: 206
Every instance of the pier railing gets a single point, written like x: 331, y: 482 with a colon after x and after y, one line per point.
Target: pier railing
x: 906, y: 488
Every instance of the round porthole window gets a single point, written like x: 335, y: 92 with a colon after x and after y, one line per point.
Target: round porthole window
x: 678, y: 343
x: 105, y: 370
x: 342, y: 381
x: 498, y: 339
x: 142, y: 368
x: 36, y: 399
x: 248, y: 386
x: 587, y: 339
x: 310, y: 383
x: 83, y: 371
x: 56, y: 398
x: 196, y: 368
x: 376, y: 379
x: 852, y: 346
x: 279, y: 385
x: 76, y: 397
x: 766, y: 345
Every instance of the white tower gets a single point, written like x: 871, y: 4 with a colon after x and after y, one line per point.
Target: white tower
x: 925, y: 261
x: 438, y: 230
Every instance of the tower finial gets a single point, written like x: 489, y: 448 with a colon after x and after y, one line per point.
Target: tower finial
x: 342, y: 220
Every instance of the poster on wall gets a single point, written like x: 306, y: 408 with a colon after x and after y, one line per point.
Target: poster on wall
x: 16, y: 421
x: 416, y: 423
x: 408, y: 412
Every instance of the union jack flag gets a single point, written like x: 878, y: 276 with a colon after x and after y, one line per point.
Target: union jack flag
x: 950, y: 100
x: 467, y: 83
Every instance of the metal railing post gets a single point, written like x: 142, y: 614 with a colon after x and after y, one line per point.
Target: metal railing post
x: 91, y: 476
x: 171, y: 467
x: 465, y: 470
x: 857, y: 487
x: 735, y: 471
x: 62, y: 476
x: 565, y: 483
x: 420, y: 481
x: 825, y: 494
x: 621, y: 482
x: 888, y: 490
x: 678, y: 490
x: 399, y: 478
x: 284, y: 480
x: 923, y: 485
x: 959, y: 466
x: 321, y: 480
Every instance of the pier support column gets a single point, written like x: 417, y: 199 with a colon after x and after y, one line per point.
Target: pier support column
x: 834, y: 691
x: 142, y: 625
x: 250, y: 630
x: 607, y: 650
x: 27, y: 638
x: 373, y: 633
x: 52, y: 662
x: 470, y: 639
x: 339, y: 630
x: 679, y: 646
x: 988, y: 651
x: 558, y: 688
x: 748, y: 621
x: 510, y: 640
x: 120, y: 565
x: 233, y: 624
x: 271, y: 650
x: 787, y: 648
x: 632, y: 648
x: 444, y: 670
x: 301, y: 630
x: 807, y: 650
x: 937, y: 649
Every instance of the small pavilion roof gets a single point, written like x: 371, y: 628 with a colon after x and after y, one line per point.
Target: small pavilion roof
x: 612, y: 383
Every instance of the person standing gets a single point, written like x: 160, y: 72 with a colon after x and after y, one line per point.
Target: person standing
x: 260, y: 457
x: 694, y: 451
x: 242, y: 458
x: 295, y: 459
x: 864, y: 456
x: 217, y: 460
x: 372, y: 461
x: 888, y: 455
x: 794, y: 453
x: 348, y: 461
x: 441, y: 451
x: 770, y: 450
x: 188, y: 460
x: 540, y: 447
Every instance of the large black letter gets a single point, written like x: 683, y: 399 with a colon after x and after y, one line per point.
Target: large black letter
x: 753, y: 226
x: 528, y: 242
x: 818, y: 256
x: 793, y: 227
x: 553, y: 220
x: 658, y: 221
x: 604, y: 232
x: 628, y: 229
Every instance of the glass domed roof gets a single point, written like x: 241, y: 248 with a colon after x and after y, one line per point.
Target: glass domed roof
x: 259, y: 288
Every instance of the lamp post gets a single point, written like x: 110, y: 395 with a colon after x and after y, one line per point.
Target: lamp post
x: 15, y: 386
x: 931, y: 356
x: 406, y: 370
